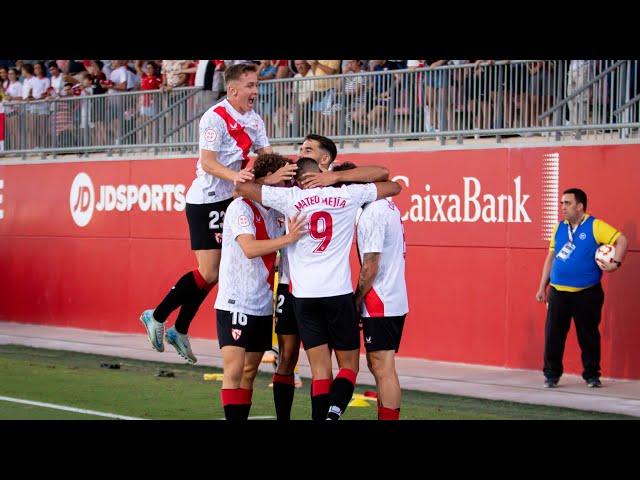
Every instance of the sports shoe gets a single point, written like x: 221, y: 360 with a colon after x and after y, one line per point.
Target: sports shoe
x: 550, y: 382
x: 594, y: 383
x: 181, y: 343
x: 155, y: 330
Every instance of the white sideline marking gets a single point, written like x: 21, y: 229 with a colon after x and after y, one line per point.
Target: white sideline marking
x: 68, y: 409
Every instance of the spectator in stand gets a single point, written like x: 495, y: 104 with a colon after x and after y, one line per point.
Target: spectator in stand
x: 151, y: 80
x: 436, y: 90
x: 580, y: 72
x: 323, y: 94
x: 4, y: 80
x: 173, y: 75
x: 13, y: 89
x: 282, y: 96
x: 266, y: 71
x: 12, y: 93
x: 539, y: 92
x: 304, y: 91
x: 72, y: 68
x: 115, y: 106
x: 98, y: 105
x: 57, y: 78
x: 34, y: 88
x: 355, y: 92
x: 209, y: 75
x: 133, y: 79
x: 63, y: 119
x: 381, y: 95
x: 18, y: 66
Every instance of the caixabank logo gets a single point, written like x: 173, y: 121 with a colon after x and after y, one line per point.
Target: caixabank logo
x: 85, y: 200
x: 472, y: 203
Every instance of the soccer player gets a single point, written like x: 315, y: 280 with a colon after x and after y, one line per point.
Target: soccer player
x: 244, y: 305
x: 228, y: 131
x: 323, y: 150
x: 381, y: 295
x: 320, y: 278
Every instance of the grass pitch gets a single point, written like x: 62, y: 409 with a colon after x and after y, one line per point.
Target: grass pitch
x: 77, y: 380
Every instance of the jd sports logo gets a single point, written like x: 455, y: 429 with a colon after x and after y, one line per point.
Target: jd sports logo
x: 82, y: 199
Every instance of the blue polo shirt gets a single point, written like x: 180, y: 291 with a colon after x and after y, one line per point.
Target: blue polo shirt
x: 579, y: 270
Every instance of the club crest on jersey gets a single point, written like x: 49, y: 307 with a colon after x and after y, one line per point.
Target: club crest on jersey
x: 243, y: 221
x: 235, y: 333
x: 218, y: 236
x: 210, y: 135
x: 280, y: 221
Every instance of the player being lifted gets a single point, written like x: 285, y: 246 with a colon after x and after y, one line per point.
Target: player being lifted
x: 228, y: 131
x: 244, y: 305
x: 320, y: 278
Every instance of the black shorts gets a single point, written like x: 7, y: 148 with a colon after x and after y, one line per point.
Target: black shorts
x: 330, y: 320
x: 285, y: 317
x: 382, y: 333
x: 205, y: 224
x: 251, y: 332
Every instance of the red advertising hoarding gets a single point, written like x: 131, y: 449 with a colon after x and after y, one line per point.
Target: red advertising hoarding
x: 92, y: 244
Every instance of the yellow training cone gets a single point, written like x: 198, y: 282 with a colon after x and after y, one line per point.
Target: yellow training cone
x: 359, y: 401
x: 213, y: 376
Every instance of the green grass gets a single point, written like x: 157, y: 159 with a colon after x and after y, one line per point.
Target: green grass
x: 77, y: 380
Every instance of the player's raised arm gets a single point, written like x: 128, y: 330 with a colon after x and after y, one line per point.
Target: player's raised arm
x: 364, y: 174
x: 211, y: 165
x: 387, y: 189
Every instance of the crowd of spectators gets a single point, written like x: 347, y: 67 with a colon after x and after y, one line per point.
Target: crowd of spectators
x: 481, y: 96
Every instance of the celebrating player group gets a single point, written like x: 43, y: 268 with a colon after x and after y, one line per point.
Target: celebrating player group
x: 240, y: 217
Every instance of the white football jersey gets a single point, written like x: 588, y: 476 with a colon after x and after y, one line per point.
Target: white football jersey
x: 247, y: 285
x: 224, y: 130
x: 380, y: 230
x: 319, y: 261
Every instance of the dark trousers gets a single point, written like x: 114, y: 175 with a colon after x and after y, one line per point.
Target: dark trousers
x: 585, y: 307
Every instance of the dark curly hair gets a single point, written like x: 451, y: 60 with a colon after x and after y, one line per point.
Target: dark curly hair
x: 268, y: 163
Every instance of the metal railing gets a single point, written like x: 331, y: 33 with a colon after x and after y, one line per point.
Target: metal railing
x: 520, y: 97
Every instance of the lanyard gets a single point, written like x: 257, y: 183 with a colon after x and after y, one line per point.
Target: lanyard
x: 570, y: 232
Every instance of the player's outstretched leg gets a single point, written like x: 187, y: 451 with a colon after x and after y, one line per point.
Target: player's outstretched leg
x: 155, y: 330
x: 180, y: 342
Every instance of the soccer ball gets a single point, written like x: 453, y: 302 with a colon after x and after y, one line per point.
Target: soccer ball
x: 605, y: 253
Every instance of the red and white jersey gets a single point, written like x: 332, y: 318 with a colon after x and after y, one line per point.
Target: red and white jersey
x: 380, y: 230
x: 224, y: 130
x: 319, y: 261
x: 247, y: 285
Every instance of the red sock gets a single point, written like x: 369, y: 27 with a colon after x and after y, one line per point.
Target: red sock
x: 385, y: 413
x: 234, y: 403
x: 320, y: 398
